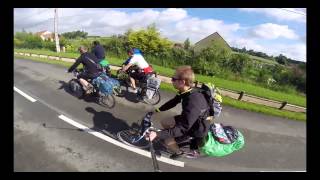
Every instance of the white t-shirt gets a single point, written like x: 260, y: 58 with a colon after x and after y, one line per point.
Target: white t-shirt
x: 138, y: 60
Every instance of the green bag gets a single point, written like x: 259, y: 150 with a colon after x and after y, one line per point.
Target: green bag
x: 212, y: 147
x: 104, y: 62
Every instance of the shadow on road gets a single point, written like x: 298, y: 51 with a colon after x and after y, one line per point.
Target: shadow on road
x: 87, y: 98
x: 106, y: 122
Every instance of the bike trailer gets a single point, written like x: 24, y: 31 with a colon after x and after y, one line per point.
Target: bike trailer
x: 105, y: 84
x: 153, y: 84
x: 222, y: 140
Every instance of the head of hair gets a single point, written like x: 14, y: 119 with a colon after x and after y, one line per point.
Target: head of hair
x: 82, y: 49
x: 96, y: 43
x: 185, y: 73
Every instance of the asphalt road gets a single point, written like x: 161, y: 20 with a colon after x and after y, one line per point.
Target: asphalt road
x: 272, y: 143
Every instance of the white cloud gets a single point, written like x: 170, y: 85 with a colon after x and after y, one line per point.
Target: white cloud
x: 281, y: 14
x: 195, y: 29
x: 272, y: 31
x: 247, y: 43
x: 295, y: 51
x: 172, y: 14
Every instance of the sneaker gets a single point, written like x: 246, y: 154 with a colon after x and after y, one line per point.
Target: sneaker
x: 193, y: 154
x: 133, y: 90
x: 176, y: 155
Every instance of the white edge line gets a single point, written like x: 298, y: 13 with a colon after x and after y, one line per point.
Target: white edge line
x: 115, y: 142
x: 24, y: 94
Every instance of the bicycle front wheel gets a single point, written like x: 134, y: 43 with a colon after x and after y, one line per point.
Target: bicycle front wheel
x: 107, y: 101
x: 133, y: 138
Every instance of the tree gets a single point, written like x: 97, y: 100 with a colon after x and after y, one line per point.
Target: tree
x: 75, y: 34
x: 149, y: 41
x: 186, y: 44
x: 238, y: 62
x: 281, y: 59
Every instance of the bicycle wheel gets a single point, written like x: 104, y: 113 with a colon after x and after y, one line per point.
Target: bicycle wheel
x: 154, y: 100
x: 133, y: 138
x: 107, y: 101
x: 75, y: 88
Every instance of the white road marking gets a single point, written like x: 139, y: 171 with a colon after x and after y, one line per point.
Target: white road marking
x: 115, y: 142
x: 24, y: 94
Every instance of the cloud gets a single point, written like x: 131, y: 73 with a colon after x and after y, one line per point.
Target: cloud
x: 281, y: 14
x: 195, y: 29
x: 247, y: 43
x: 295, y: 51
x: 272, y: 31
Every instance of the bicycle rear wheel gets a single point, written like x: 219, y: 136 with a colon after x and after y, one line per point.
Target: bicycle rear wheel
x: 132, y: 138
x: 154, y: 100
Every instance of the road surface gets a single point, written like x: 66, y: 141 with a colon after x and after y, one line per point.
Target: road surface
x: 272, y: 143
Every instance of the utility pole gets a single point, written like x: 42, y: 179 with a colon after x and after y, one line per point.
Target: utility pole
x: 56, y: 29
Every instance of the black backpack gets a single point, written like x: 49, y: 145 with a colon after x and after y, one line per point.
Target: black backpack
x: 213, y: 97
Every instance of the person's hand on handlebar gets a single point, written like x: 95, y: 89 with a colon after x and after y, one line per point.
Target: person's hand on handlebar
x: 152, y: 135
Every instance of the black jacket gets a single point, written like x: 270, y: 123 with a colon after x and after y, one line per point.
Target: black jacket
x: 99, y: 52
x: 90, y: 67
x: 192, y: 121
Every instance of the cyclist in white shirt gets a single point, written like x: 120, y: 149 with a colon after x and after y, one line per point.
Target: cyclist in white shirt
x: 137, y: 59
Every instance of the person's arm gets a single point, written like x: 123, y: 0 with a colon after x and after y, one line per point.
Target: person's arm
x: 126, y: 67
x: 75, y: 64
x: 169, y: 104
x: 189, y: 116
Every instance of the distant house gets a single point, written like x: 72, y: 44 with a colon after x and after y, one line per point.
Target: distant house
x: 46, y: 35
x: 208, y: 41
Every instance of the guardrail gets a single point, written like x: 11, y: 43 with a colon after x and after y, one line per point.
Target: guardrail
x: 241, y: 96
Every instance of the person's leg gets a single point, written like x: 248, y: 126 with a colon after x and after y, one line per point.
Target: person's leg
x: 195, y: 143
x: 170, y: 142
x: 133, y: 82
x: 83, y: 81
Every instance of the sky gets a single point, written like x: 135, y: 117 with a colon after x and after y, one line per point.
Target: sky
x: 273, y: 31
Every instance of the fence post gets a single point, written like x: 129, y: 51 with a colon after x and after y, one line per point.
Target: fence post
x: 283, y: 105
x: 241, y: 95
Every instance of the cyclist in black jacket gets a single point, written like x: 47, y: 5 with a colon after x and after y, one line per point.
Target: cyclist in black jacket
x: 91, y: 68
x: 192, y: 121
x: 98, y: 50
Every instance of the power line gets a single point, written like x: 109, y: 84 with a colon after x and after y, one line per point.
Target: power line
x: 293, y: 11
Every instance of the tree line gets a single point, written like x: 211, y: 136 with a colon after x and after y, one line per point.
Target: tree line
x: 211, y: 61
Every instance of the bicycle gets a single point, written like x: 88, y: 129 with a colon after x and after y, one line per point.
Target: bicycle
x: 103, y: 99
x: 148, y: 86
x: 136, y: 137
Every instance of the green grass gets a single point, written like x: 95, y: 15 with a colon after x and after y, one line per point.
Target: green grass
x: 219, y: 82
x: 226, y: 100
x: 241, y: 86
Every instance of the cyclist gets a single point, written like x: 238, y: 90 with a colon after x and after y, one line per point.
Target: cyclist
x: 89, y: 61
x: 143, y: 68
x: 191, y: 122
x: 99, y: 52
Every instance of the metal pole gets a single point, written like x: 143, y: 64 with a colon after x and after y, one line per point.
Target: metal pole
x: 56, y: 29
x: 154, y: 158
